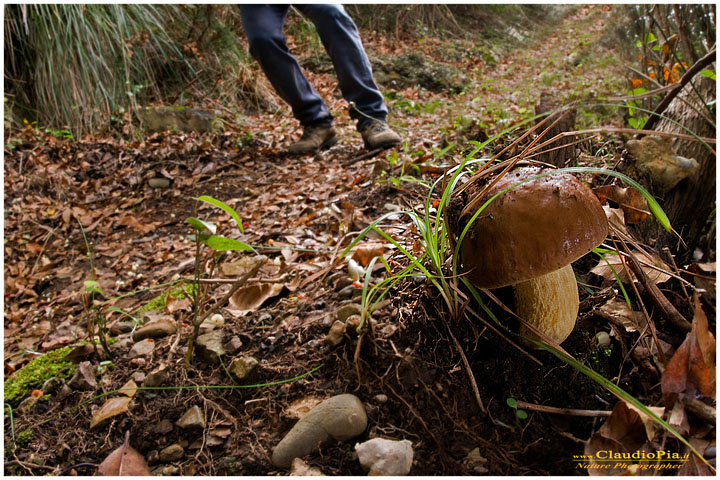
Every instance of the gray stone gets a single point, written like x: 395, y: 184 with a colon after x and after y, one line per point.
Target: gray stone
x: 381, y: 456
x: 122, y: 326
x: 162, y: 327
x: 157, y: 377
x: 142, y: 348
x: 343, y: 282
x: 233, y: 345
x: 51, y: 384
x: 164, y: 426
x: 336, y: 334
x: 159, y: 182
x: 192, y: 418
x: 348, y: 310
x: 172, y: 453
x: 138, y: 377
x: 84, y: 377
x: 242, y: 367
x: 338, y: 418
x: 210, y: 345
x: 351, y: 291
x: 65, y: 391
x: 162, y: 118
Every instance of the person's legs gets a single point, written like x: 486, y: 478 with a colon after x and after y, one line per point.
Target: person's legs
x: 263, y: 26
x: 341, y: 40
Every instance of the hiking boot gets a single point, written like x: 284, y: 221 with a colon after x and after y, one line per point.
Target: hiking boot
x: 314, y: 139
x: 377, y: 134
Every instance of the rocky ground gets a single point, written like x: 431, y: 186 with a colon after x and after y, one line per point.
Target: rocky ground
x: 286, y: 339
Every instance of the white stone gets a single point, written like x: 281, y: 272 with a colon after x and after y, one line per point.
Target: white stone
x: 381, y: 456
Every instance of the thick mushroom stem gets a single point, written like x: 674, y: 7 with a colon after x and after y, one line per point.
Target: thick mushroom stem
x: 549, y: 303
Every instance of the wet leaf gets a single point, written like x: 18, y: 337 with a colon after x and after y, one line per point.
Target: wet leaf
x: 692, y: 369
x: 248, y: 299
x: 111, y: 408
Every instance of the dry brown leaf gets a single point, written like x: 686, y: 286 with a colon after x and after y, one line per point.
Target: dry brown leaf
x: 602, y: 269
x: 366, y: 252
x: 177, y: 304
x: 692, y: 369
x: 124, y: 461
x: 631, y: 201
x: 249, y: 299
x: 623, y: 432
x: 111, y: 408
x: 129, y: 389
x: 632, y: 321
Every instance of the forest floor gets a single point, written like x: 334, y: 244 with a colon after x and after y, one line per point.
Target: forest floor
x: 301, y: 213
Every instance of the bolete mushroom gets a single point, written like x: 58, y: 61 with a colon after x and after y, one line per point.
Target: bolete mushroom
x: 527, y: 237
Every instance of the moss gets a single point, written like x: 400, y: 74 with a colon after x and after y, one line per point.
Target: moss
x: 23, y: 438
x: 160, y: 302
x: 35, y: 373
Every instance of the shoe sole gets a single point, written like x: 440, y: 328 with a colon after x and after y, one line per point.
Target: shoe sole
x: 383, y: 145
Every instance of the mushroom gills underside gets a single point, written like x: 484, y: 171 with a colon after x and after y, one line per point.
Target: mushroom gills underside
x: 549, y: 303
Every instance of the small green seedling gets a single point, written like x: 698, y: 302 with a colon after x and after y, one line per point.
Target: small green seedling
x: 519, y: 413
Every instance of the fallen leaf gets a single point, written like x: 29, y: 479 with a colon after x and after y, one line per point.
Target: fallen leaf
x: 177, y: 304
x: 111, y: 408
x: 692, y: 369
x: 623, y: 432
x: 632, y: 320
x: 366, y: 252
x: 630, y: 200
x: 129, y: 389
x: 124, y: 461
x: 602, y: 269
x: 249, y: 299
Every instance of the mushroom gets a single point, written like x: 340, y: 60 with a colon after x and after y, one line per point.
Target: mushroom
x: 527, y: 237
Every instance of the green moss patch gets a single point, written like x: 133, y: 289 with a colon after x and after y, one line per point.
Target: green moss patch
x: 160, y: 302
x: 33, y: 375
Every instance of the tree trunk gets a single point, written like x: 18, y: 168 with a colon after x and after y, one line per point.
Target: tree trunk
x: 691, y: 203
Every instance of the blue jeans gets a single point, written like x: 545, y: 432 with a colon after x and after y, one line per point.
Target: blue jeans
x: 263, y: 26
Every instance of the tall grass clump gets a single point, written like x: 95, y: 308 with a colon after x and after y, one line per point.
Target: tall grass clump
x: 77, y: 66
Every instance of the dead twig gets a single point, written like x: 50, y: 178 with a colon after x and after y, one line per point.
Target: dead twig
x: 658, y: 298
x: 563, y: 411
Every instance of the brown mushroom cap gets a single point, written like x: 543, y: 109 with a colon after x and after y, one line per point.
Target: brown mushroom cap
x: 532, y: 229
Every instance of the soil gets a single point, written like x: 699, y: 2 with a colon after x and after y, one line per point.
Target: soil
x: 405, y: 367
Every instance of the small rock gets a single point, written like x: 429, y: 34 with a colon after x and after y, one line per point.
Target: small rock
x: 338, y: 418
x: 193, y: 418
x: 122, y: 326
x: 162, y: 327
x: 157, y: 377
x: 51, y: 385
x: 210, y: 345
x: 336, y: 334
x: 152, y: 457
x: 347, y: 310
x: 343, y: 282
x: 84, y: 377
x: 351, y: 291
x: 159, y: 182
x: 172, y: 453
x: 380, y: 398
x: 138, y: 362
x: 65, y: 391
x: 381, y: 456
x: 142, y: 348
x: 164, y: 426
x: 123, y: 343
x: 233, y: 345
x: 476, y: 462
x: 138, y: 377
x: 242, y: 367
x: 265, y: 318
x: 302, y: 469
